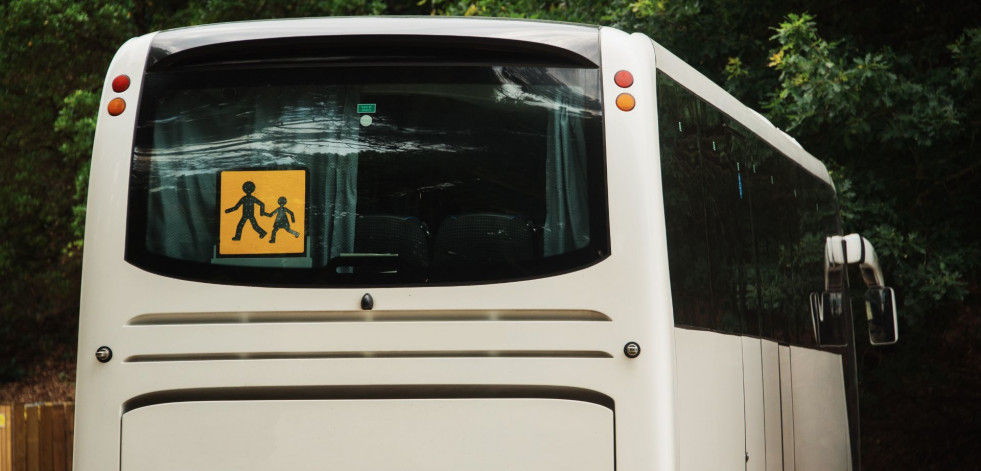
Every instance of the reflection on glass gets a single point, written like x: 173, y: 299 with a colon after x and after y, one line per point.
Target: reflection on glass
x: 745, y: 225
x: 505, y: 159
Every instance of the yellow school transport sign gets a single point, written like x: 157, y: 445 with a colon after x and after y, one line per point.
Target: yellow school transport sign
x: 262, y: 212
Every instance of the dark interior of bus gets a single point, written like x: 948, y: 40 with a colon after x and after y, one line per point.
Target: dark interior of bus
x: 417, y: 174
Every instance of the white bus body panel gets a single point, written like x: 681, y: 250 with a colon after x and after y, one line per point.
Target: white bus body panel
x: 746, y: 403
x: 772, y: 420
x: 370, y: 435
x: 787, y: 408
x: 173, y: 336
x: 755, y: 404
x: 820, y: 414
x: 710, y: 401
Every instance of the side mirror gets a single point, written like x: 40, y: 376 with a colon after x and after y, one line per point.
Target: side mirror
x: 827, y: 308
x: 828, y: 316
x: 880, y: 310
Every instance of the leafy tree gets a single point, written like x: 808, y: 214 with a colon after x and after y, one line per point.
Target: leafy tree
x: 578, y: 11
x: 882, y: 130
x: 899, y: 134
x: 49, y: 50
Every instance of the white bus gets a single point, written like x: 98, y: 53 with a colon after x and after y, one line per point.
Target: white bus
x: 437, y: 244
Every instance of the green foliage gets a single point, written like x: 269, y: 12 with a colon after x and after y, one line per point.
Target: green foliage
x: 714, y: 36
x: 575, y: 11
x: 75, y: 126
x: 49, y: 49
x: 881, y: 130
x: 860, y: 98
x: 213, y: 11
x: 966, y: 52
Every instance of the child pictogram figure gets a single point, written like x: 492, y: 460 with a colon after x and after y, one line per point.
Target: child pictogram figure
x: 248, y: 203
x: 281, y: 221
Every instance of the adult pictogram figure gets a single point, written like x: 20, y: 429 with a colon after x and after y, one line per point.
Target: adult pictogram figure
x: 248, y: 203
x: 281, y: 222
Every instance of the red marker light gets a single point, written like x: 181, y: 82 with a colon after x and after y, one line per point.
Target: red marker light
x: 116, y: 106
x: 120, y: 84
x: 623, y: 79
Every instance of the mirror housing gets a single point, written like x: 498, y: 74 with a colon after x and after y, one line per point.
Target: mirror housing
x: 827, y: 308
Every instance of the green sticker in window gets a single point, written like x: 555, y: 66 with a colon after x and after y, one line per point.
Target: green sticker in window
x: 366, y: 107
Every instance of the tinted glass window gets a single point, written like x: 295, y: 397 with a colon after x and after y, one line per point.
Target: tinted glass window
x: 712, y: 280
x: 368, y: 174
x: 745, y: 224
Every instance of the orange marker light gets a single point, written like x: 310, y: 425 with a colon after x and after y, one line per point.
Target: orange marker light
x: 117, y: 106
x: 623, y: 79
x: 625, y: 101
x: 120, y: 84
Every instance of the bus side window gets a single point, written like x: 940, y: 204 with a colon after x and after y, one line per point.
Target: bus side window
x: 707, y: 246
x: 776, y: 224
x: 683, y: 205
x: 745, y: 225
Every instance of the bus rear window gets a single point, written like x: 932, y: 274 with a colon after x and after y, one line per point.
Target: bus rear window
x: 368, y: 174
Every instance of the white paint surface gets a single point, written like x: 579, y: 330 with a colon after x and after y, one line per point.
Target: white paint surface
x: 370, y: 435
x: 787, y: 408
x: 820, y: 413
x: 771, y: 405
x: 755, y: 410
x: 783, y: 406
x: 710, y: 401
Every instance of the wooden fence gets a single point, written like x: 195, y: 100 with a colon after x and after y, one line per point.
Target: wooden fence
x: 37, y: 437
